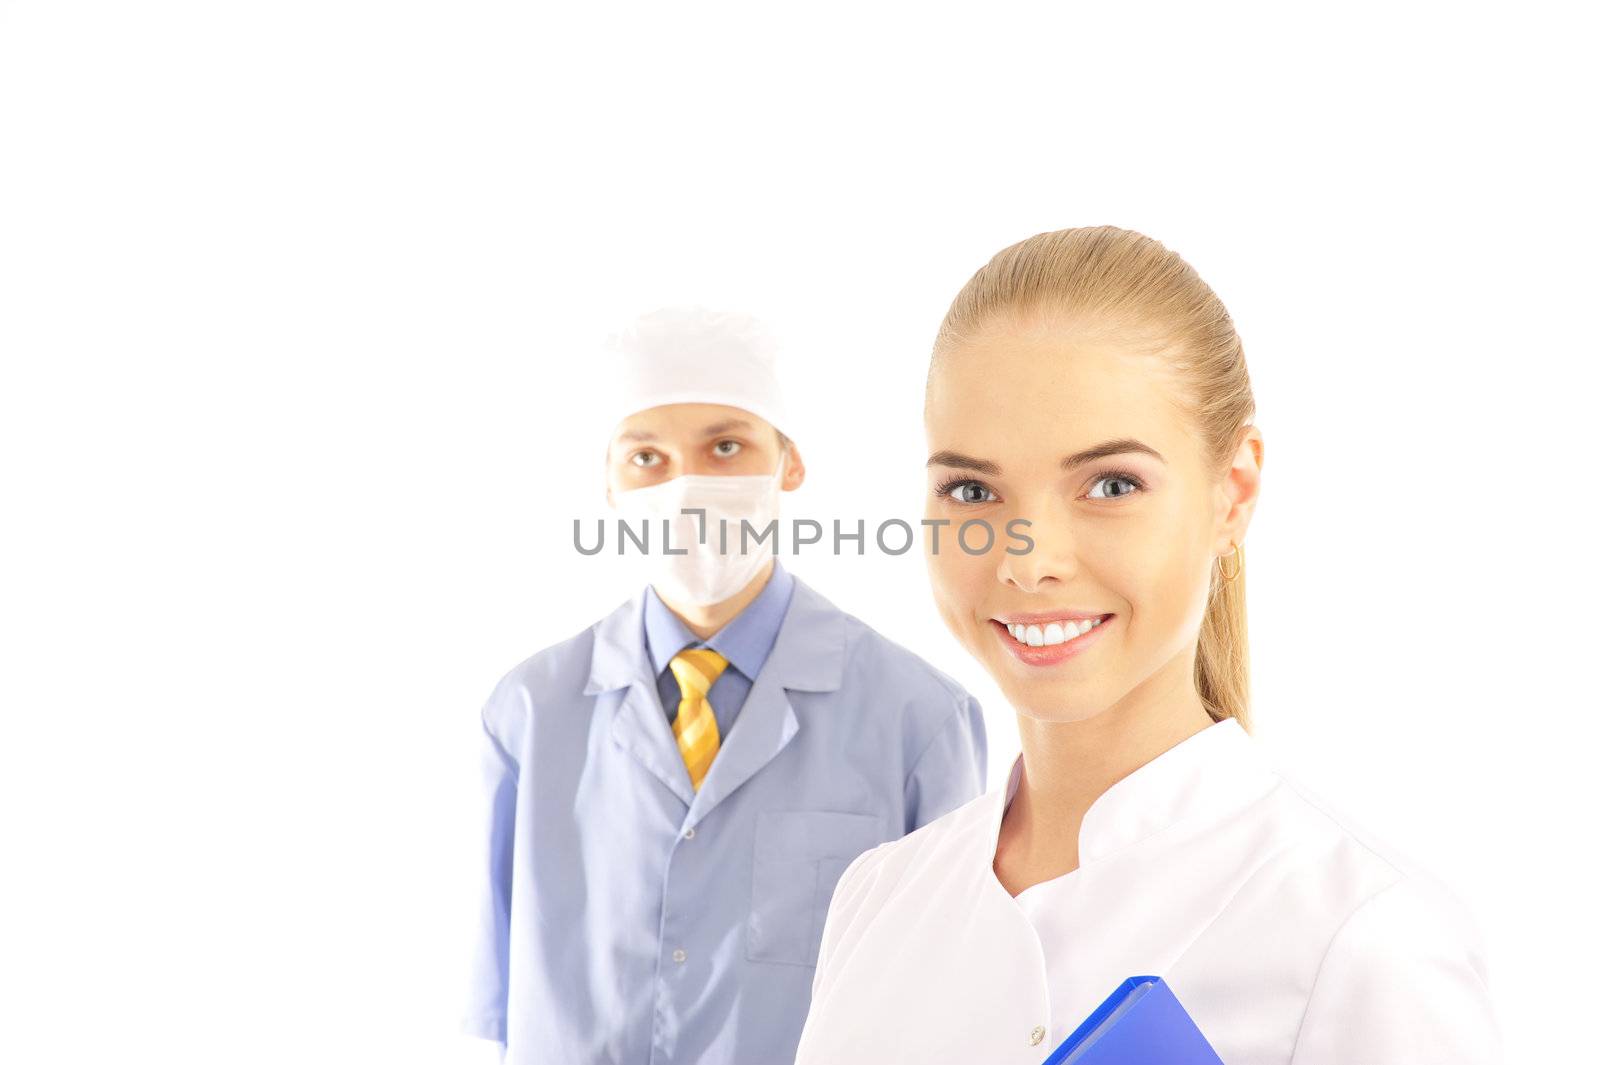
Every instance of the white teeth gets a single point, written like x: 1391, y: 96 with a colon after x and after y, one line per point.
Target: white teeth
x: 1052, y: 633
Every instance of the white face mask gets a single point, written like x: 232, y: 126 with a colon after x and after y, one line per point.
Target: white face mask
x: 704, y: 574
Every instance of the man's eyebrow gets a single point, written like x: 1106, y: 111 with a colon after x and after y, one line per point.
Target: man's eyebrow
x: 1125, y: 446
x: 711, y: 430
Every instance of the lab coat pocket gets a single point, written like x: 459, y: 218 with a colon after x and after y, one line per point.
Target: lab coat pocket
x: 799, y: 856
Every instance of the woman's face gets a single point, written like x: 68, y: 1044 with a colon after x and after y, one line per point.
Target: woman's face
x: 1084, y: 440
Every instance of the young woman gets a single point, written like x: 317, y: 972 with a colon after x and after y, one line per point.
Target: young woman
x: 1089, y: 383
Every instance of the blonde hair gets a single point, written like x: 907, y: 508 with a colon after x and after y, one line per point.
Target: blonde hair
x: 1105, y: 279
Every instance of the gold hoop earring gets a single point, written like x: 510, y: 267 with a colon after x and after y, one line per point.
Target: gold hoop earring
x: 1237, y: 566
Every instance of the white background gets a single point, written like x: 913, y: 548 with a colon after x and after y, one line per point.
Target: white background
x: 295, y: 306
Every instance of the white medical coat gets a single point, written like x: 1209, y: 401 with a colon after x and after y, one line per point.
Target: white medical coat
x: 1291, y: 938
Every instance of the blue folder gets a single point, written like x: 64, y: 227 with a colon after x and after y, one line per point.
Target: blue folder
x: 1140, y: 1024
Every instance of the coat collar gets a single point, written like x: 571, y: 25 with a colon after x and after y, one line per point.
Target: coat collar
x: 1219, y: 769
x: 745, y: 641
x: 808, y: 655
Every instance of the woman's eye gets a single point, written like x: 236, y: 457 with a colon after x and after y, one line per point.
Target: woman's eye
x: 726, y: 448
x: 966, y: 491
x: 646, y: 458
x: 1132, y: 484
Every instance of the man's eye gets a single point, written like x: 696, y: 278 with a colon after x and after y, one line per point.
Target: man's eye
x: 646, y: 458
x: 728, y: 447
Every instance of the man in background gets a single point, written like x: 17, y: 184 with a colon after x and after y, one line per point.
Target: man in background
x: 670, y: 795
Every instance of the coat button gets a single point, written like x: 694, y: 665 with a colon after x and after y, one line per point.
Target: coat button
x: 679, y: 955
x: 688, y: 833
x: 1037, y: 1036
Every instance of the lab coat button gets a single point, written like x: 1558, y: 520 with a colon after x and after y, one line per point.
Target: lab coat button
x: 1037, y: 1037
x: 679, y: 955
x: 688, y: 833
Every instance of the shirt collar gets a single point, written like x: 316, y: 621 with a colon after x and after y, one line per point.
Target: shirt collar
x: 745, y: 641
x: 1218, y: 770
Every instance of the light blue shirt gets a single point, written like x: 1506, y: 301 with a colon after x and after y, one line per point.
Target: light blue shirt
x: 625, y: 918
x: 744, y: 641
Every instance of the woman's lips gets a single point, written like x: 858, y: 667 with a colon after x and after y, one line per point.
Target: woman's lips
x: 1050, y: 654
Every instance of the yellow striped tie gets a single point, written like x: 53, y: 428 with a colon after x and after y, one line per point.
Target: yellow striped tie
x: 696, y: 727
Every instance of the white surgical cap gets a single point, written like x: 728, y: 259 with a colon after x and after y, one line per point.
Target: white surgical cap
x: 695, y: 355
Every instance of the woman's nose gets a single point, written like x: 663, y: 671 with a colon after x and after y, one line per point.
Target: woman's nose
x: 1046, y: 555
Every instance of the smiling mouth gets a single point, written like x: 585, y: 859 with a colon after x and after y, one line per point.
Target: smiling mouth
x: 1052, y: 633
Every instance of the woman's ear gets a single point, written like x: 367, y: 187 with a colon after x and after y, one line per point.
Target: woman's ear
x: 1240, y: 488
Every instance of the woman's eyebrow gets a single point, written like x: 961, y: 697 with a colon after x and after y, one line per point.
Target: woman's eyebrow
x: 962, y: 462
x: 1125, y: 446
x: 957, y: 460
